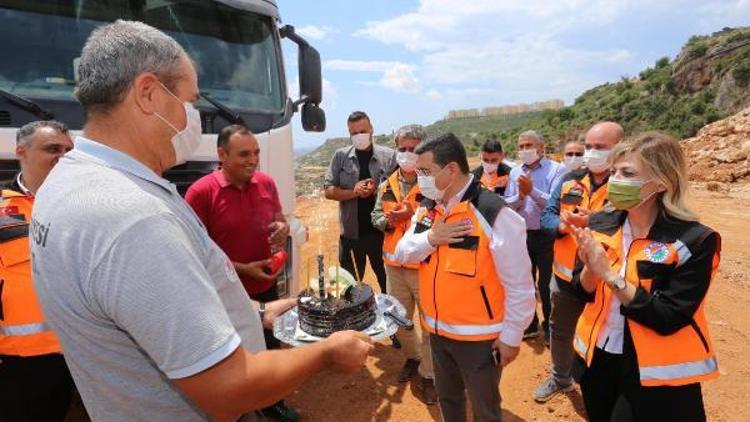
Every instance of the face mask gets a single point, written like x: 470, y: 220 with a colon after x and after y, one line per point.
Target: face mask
x: 361, y: 141
x: 428, y: 189
x: 407, y: 161
x: 626, y: 194
x: 528, y: 156
x: 489, y: 168
x: 187, y: 140
x: 573, y: 162
x: 596, y: 160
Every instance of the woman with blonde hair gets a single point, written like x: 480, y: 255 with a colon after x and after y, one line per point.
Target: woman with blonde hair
x: 648, y: 265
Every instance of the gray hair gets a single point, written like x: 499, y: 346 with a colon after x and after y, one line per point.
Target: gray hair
x: 531, y: 134
x: 115, y: 54
x: 25, y: 134
x: 409, y: 131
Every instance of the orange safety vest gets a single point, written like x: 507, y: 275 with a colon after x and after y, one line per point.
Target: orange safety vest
x: 493, y: 181
x: 575, y: 193
x: 684, y: 357
x: 391, y: 199
x: 23, y: 331
x: 460, y: 294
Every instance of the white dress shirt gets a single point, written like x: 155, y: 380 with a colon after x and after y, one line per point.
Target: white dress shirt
x: 613, y: 332
x: 511, y: 258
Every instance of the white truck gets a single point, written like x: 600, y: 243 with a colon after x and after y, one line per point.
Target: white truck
x: 236, y: 47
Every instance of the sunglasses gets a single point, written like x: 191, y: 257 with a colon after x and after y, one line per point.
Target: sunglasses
x: 574, y: 154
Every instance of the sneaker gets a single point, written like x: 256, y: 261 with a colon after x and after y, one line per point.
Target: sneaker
x: 531, y: 332
x: 549, y: 388
x: 280, y: 412
x: 409, y: 370
x: 395, y: 343
x: 428, y: 393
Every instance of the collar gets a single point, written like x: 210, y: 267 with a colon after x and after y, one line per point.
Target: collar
x: 224, y: 182
x: 352, y: 152
x: 459, y: 196
x: 118, y: 160
x: 665, y: 229
x: 544, y: 162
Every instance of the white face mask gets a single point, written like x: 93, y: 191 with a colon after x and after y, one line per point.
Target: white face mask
x: 573, y: 162
x: 407, y: 161
x: 187, y: 140
x: 489, y: 168
x: 361, y: 141
x: 596, y: 160
x: 528, y: 156
x: 428, y: 189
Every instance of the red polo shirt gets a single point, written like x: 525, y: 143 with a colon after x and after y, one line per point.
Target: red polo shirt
x: 237, y: 219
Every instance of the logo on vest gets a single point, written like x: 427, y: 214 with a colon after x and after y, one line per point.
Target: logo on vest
x: 657, y: 252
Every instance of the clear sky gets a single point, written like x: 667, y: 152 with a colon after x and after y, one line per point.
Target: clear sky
x: 407, y: 61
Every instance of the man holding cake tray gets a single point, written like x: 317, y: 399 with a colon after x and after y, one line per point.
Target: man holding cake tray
x: 475, y: 286
x: 153, y: 320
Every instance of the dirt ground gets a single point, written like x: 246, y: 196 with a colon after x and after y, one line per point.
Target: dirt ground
x: 373, y: 393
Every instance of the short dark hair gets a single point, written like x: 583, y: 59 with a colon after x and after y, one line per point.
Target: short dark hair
x: 24, y: 134
x: 223, y: 140
x: 446, y: 148
x: 357, y: 116
x: 492, y: 145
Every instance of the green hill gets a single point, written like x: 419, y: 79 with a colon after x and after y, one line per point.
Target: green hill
x: 708, y: 80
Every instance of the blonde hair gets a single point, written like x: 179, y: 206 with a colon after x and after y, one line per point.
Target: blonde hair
x: 663, y: 156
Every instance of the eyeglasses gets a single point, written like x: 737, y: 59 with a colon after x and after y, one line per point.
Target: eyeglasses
x: 574, y: 154
x: 406, y: 149
x: 422, y: 171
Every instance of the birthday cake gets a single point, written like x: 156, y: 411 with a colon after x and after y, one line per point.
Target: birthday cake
x: 354, y: 310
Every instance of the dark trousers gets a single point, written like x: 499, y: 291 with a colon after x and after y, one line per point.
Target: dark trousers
x: 35, y: 388
x: 612, y: 393
x: 465, y: 366
x: 369, y: 245
x: 268, y: 296
x: 541, y: 252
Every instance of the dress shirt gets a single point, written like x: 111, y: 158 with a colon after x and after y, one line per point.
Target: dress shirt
x: 545, y: 177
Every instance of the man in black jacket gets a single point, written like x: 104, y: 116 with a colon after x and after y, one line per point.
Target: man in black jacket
x: 493, y: 173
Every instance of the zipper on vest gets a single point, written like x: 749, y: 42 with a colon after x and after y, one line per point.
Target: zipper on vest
x: 486, y: 302
x: 434, y: 287
x: 700, y: 334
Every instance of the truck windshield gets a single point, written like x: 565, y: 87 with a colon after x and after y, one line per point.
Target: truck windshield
x: 235, y: 51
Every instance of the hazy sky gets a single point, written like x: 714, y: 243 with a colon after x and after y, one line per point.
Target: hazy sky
x: 405, y: 61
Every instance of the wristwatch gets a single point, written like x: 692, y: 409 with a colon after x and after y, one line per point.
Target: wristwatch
x: 262, y: 310
x: 617, y: 283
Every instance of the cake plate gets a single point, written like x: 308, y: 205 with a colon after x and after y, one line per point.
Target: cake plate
x: 286, y: 327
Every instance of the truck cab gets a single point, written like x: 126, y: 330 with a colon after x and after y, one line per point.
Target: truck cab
x: 236, y: 48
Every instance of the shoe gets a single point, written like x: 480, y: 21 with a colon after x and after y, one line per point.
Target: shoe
x: 550, y: 388
x: 409, y: 370
x: 280, y: 412
x: 395, y: 343
x: 428, y: 393
x: 531, y: 332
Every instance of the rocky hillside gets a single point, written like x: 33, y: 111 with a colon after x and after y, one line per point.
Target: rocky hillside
x: 708, y: 80
x: 720, y: 152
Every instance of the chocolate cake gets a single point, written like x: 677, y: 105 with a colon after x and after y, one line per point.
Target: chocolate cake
x: 355, y: 310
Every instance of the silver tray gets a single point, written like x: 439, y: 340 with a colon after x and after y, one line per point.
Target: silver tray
x: 286, y: 327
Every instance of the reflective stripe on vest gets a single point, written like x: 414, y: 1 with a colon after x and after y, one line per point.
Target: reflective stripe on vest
x: 679, y: 370
x: 683, y: 252
x: 580, y: 346
x: 562, y: 270
x: 463, y: 329
x: 24, y: 329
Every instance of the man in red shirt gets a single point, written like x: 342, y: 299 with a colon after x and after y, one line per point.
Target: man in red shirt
x: 241, y: 211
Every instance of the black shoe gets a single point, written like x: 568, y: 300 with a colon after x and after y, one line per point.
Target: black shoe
x: 395, y: 343
x: 409, y: 370
x: 429, y: 395
x: 280, y: 412
x: 531, y: 332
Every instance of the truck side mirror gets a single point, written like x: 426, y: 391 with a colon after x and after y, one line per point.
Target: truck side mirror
x: 310, y: 82
x: 313, y: 118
